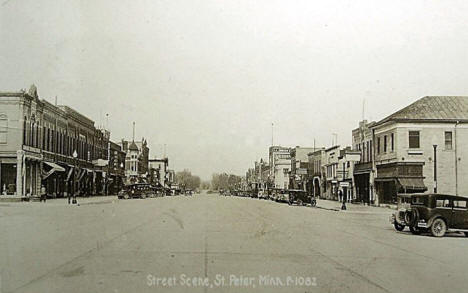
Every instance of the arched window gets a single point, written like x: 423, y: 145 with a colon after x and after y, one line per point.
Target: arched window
x: 3, y: 128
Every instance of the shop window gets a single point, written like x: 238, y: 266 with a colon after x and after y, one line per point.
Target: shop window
x: 414, y: 142
x: 378, y: 145
x: 392, y: 138
x: 448, y: 140
x: 3, y: 128
x: 385, y: 144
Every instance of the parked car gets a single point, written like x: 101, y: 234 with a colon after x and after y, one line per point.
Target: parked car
x: 137, y: 190
x: 300, y: 197
x: 263, y: 194
x: 403, y: 206
x: 282, y: 196
x: 438, y: 214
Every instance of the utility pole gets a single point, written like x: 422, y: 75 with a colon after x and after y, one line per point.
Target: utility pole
x: 133, y: 137
x: 272, y: 133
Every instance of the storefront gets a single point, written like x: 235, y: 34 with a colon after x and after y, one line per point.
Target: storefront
x: 398, y: 177
x: 362, y: 182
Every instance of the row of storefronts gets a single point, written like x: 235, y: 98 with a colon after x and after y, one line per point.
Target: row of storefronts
x: 54, y: 149
x: 417, y: 149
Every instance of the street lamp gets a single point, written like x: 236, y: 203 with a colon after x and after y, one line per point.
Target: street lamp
x: 75, y: 156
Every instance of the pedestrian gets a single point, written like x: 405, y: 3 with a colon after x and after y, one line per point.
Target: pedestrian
x: 43, y: 194
x: 69, y: 196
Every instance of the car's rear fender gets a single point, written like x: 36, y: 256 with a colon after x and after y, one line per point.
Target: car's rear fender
x: 431, y: 220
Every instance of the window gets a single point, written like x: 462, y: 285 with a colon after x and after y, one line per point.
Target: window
x: 459, y: 204
x: 414, y: 140
x: 448, y: 140
x: 392, y: 137
x: 3, y: 128
x: 385, y: 144
x: 378, y: 145
x: 443, y: 203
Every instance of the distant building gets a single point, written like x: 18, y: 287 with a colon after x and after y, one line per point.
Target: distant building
x: 363, y: 175
x: 422, y: 148
x: 298, y: 178
x: 136, y: 161
x: 316, y: 171
x: 158, y: 169
x: 330, y: 184
x: 280, y: 165
x: 345, y: 171
x: 116, y: 168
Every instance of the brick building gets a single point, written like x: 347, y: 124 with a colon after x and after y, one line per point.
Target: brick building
x: 37, y: 143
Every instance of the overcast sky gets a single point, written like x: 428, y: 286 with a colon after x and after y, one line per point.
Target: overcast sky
x: 208, y: 78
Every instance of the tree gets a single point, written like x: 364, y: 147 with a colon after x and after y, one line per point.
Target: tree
x: 186, y: 180
x: 225, y: 181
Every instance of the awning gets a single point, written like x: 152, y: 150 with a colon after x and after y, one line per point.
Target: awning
x: 70, y: 171
x: 412, y: 184
x: 83, y: 171
x: 54, y: 168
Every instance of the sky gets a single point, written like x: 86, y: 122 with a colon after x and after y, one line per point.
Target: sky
x: 208, y: 78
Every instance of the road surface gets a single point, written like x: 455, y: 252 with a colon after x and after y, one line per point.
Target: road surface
x: 210, y: 243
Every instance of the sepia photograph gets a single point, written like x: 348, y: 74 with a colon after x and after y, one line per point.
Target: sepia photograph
x: 233, y: 146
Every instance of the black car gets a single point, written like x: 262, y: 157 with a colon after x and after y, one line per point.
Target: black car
x: 437, y: 213
x: 138, y: 190
x: 300, y: 197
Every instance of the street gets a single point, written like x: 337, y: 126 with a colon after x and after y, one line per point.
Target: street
x: 237, y: 244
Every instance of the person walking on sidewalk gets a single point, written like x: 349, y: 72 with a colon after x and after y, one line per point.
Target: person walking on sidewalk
x: 43, y: 194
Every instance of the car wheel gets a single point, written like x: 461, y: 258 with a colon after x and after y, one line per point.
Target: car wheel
x: 299, y: 203
x: 415, y: 230
x: 438, y: 228
x: 126, y: 196
x: 398, y: 227
x: 313, y: 203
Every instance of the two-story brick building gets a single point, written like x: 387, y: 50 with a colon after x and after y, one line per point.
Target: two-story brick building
x: 421, y: 148
x: 38, y: 141
x: 363, y: 175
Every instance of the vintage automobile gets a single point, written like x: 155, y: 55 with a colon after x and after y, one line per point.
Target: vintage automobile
x: 403, y: 206
x: 262, y: 194
x: 282, y: 196
x: 438, y: 214
x: 137, y: 190
x: 300, y: 197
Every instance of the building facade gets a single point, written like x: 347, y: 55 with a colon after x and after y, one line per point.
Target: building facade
x: 316, y: 171
x: 280, y: 166
x: 330, y: 184
x: 298, y: 178
x: 136, y: 160
x: 422, y: 148
x: 158, y: 169
x: 363, y: 174
x: 46, y: 145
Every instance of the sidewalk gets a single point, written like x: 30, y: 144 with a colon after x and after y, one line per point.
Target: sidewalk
x: 353, y: 207
x: 63, y: 201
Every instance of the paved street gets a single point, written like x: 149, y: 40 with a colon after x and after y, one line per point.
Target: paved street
x: 129, y: 245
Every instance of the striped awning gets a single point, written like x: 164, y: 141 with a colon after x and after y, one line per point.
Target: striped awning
x: 54, y: 168
x: 412, y: 183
